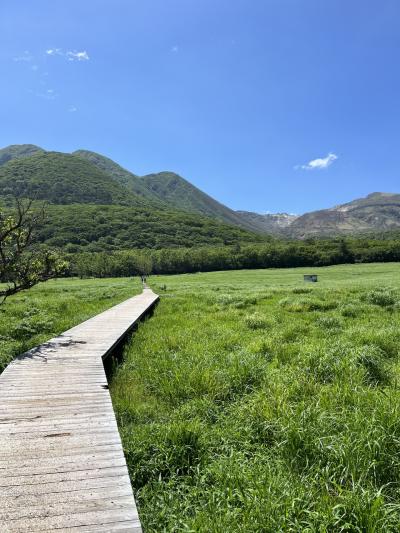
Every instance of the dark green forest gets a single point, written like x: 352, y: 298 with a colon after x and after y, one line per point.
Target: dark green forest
x: 62, y: 179
x: 275, y: 254
x: 94, y: 228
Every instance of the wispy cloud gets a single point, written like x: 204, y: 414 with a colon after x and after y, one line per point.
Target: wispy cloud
x: 70, y: 55
x: 72, y: 109
x: 26, y: 56
x: 77, y: 56
x: 54, y: 52
x: 175, y: 49
x: 319, y: 163
x: 48, y: 94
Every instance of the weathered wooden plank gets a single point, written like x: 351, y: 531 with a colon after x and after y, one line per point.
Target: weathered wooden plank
x: 64, y: 508
x: 43, y: 489
x: 36, y: 500
x: 82, y: 519
x: 122, y: 527
x: 39, y: 452
x: 61, y: 460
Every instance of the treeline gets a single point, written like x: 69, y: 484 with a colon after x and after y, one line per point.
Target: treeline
x: 279, y: 254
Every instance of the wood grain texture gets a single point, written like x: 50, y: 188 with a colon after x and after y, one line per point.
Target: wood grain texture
x: 62, y: 466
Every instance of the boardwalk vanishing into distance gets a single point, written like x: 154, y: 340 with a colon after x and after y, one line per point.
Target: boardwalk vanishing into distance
x: 62, y: 466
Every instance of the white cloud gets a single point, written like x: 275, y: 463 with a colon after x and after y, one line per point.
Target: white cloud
x: 54, y: 52
x: 70, y: 55
x: 26, y: 56
x: 319, y: 163
x: 175, y: 49
x: 48, y: 94
x: 78, y: 56
x: 72, y: 109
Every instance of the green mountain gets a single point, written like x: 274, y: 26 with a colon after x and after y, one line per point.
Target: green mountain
x: 169, y: 189
x: 178, y: 192
x: 121, y: 175
x: 163, y: 208
x: 16, y: 151
x: 90, y: 208
x: 62, y: 179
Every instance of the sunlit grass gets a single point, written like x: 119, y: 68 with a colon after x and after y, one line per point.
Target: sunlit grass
x: 252, y: 401
x: 33, y: 316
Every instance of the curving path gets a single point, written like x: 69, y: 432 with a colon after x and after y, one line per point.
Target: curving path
x: 62, y: 466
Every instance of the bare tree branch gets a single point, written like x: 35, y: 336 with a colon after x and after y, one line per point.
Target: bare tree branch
x: 21, y: 264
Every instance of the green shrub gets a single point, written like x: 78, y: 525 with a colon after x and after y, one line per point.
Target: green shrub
x: 302, y: 290
x: 31, y: 326
x: 329, y: 322
x: 256, y: 321
x: 383, y: 297
x: 295, y: 305
x: 327, y: 364
x: 351, y: 310
x: 372, y: 359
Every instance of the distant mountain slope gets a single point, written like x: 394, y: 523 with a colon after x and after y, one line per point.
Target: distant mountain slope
x: 178, y: 192
x: 62, y: 179
x: 268, y: 223
x: 92, y: 210
x: 124, y: 177
x: 168, y: 189
x: 89, y: 178
x: 375, y: 213
x: 15, y: 151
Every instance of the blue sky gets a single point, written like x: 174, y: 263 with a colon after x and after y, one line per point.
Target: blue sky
x: 267, y: 105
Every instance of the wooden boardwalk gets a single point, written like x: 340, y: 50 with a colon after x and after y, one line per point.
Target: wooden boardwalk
x: 62, y: 466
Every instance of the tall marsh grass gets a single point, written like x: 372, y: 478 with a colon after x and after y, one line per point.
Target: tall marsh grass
x: 248, y: 413
x: 34, y: 316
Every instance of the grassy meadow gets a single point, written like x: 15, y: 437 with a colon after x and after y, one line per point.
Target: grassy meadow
x: 254, y: 402
x: 34, y: 316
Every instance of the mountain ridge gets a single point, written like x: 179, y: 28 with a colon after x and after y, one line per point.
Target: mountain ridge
x: 102, y: 180
x: 90, y: 210
x: 377, y: 212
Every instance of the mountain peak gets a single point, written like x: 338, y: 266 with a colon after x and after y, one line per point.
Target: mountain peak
x: 16, y: 151
x: 381, y: 195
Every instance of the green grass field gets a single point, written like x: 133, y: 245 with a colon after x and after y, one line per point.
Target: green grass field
x: 48, y: 309
x: 251, y: 401
x: 254, y: 402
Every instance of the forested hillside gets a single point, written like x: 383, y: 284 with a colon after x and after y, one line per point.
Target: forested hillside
x: 168, y: 188
x: 17, y: 151
x: 111, y: 227
x: 164, y: 208
x: 178, y: 192
x: 94, y: 205
x: 129, y: 180
x: 62, y: 179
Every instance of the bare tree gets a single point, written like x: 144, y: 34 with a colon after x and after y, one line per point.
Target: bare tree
x: 23, y: 265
